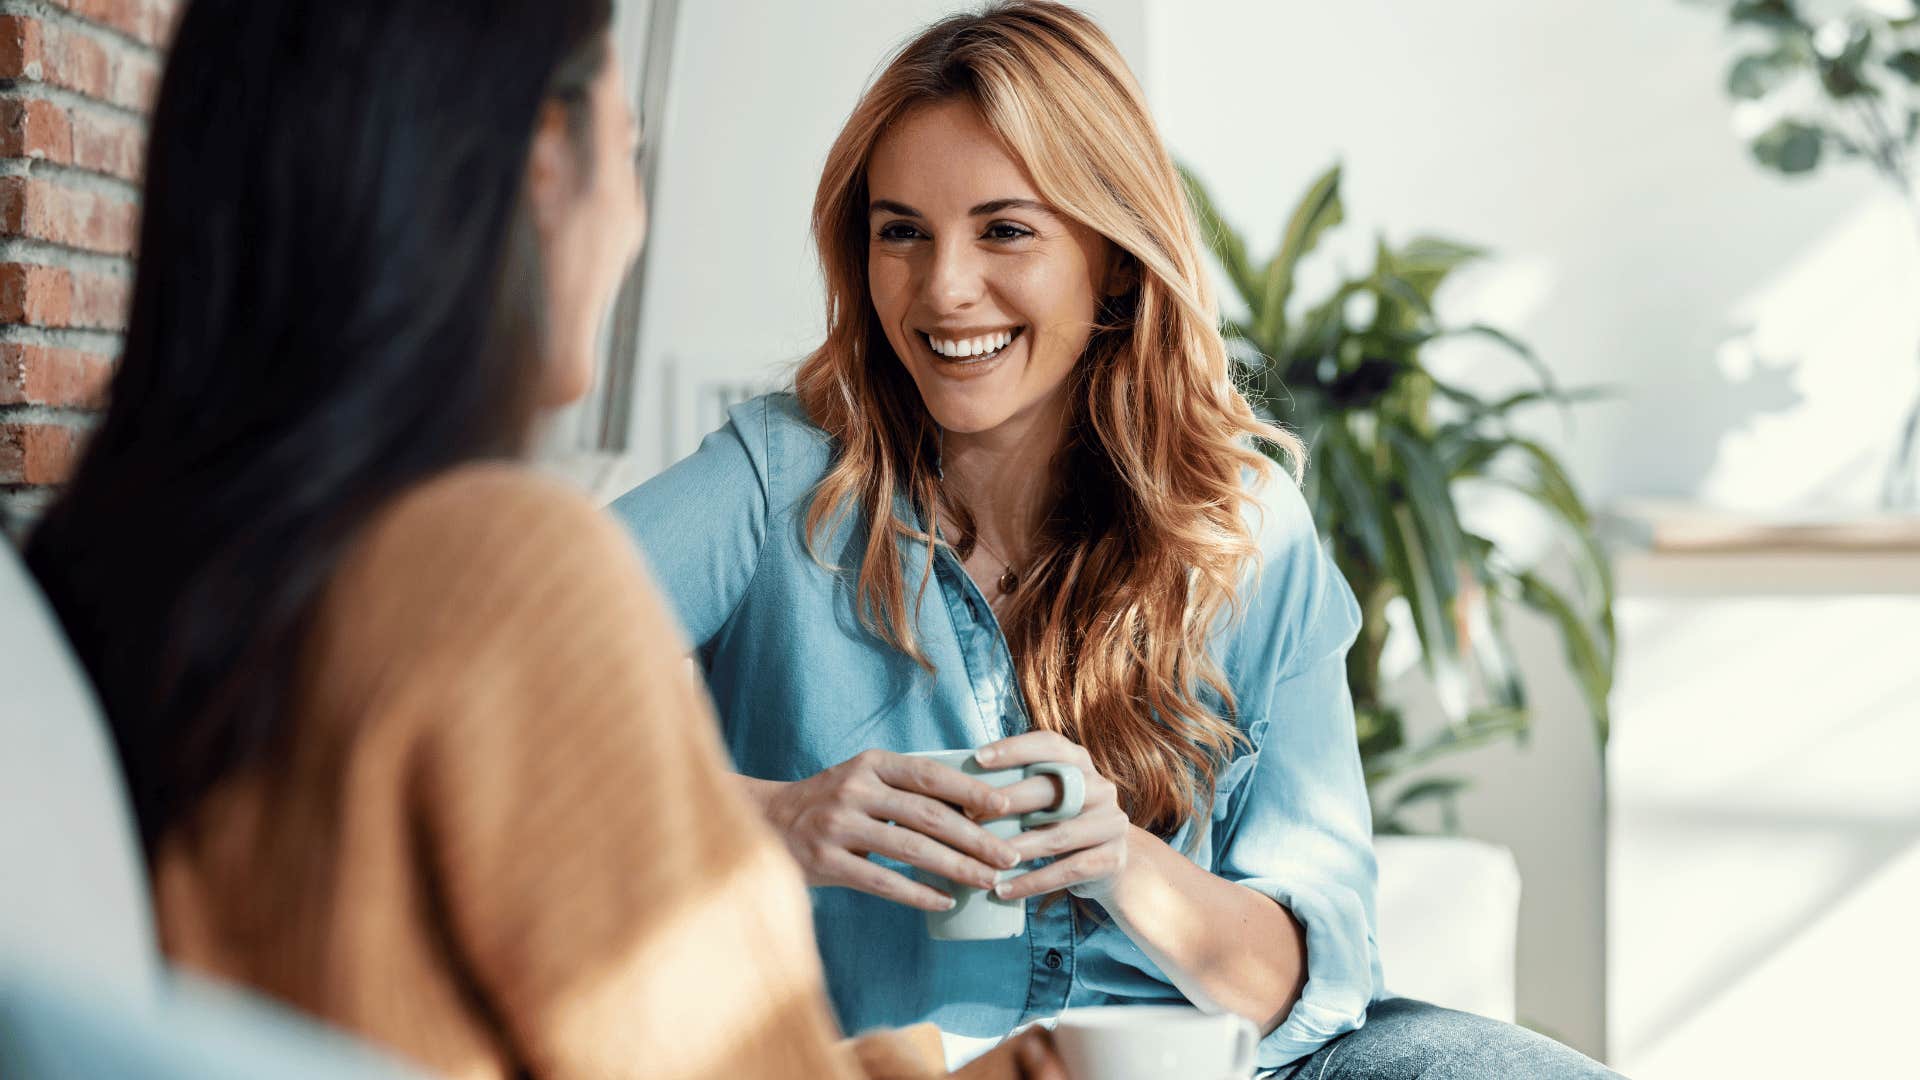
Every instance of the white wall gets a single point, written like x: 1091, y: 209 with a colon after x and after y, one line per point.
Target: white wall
x: 760, y: 89
x: 1589, y: 144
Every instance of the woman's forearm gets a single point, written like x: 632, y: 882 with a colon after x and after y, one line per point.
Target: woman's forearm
x: 1224, y: 946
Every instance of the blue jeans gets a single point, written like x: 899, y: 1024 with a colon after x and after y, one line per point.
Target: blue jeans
x: 1405, y: 1039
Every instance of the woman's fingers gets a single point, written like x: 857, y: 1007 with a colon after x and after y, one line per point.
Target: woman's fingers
x: 927, y: 777
x: 1093, y: 864
x: 1033, y: 793
x: 1088, y: 830
x: 851, y: 871
x: 933, y: 818
x: 1030, y: 747
x: 904, y: 845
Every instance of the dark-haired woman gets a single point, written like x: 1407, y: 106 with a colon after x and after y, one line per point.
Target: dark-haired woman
x: 405, y: 727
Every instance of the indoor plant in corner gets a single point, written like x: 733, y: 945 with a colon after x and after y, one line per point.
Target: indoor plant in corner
x: 1391, y: 446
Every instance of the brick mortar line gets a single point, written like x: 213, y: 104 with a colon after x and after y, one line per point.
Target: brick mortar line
x: 40, y: 9
x: 51, y: 415
x: 106, y: 343
x: 21, y: 249
x: 60, y: 95
x: 72, y: 177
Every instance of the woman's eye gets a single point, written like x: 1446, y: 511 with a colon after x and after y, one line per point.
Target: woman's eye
x: 1003, y: 231
x: 898, y: 231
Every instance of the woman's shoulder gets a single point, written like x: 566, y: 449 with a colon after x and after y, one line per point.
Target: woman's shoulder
x: 481, y: 538
x: 769, y: 449
x: 794, y: 452
x: 1276, y: 514
x: 1295, y: 604
x: 490, y: 510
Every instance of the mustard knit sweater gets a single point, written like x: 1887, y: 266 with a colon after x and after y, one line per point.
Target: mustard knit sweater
x: 501, y: 838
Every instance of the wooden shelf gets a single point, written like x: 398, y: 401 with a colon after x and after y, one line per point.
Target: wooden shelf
x: 1680, y: 529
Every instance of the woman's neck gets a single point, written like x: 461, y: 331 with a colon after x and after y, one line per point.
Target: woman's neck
x: 1007, y: 478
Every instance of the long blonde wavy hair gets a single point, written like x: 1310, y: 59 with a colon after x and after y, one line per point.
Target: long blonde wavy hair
x: 1147, y: 545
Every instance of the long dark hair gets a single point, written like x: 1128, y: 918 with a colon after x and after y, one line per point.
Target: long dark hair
x: 339, y: 295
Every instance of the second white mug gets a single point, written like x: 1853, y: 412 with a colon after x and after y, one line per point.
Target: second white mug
x: 1152, y: 1042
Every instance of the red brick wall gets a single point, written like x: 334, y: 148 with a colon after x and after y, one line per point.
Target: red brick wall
x: 76, y: 79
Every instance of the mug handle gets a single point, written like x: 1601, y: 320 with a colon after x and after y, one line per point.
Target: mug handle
x: 1246, y: 1046
x: 1073, y: 793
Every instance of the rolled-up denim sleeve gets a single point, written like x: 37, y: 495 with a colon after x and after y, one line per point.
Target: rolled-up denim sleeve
x: 702, y: 523
x: 1298, y: 827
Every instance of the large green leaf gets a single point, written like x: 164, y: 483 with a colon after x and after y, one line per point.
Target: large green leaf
x: 1430, y: 498
x: 1773, y: 14
x: 1592, y: 667
x: 1428, y: 584
x: 1482, y: 726
x: 1845, y: 75
x: 1425, y: 262
x: 1442, y: 789
x: 1350, y: 491
x: 1510, y: 344
x: 1317, y: 212
x: 1790, y: 146
x: 1487, y: 632
x: 1319, y: 330
x: 1755, y: 76
x: 1221, y: 239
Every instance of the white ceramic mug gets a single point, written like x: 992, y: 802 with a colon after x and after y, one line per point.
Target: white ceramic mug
x: 1153, y: 1042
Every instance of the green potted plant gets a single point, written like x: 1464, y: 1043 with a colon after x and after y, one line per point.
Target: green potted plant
x: 1390, y: 445
x: 1819, y: 82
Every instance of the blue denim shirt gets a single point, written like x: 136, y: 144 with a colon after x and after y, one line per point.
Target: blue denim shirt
x: 801, y: 686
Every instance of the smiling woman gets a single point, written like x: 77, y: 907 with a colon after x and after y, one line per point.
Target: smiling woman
x: 1017, y: 506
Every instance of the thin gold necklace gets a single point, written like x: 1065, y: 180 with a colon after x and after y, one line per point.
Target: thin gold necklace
x: 1009, y: 579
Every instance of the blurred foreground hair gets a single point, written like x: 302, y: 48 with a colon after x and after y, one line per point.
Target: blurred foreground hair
x: 339, y: 295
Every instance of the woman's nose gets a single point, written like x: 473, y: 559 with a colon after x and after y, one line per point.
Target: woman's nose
x: 953, y: 279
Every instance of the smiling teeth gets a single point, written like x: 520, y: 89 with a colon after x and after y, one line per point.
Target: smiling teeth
x: 969, y: 347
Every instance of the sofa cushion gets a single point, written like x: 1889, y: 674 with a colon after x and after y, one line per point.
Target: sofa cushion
x: 73, y: 888
x: 52, y: 1029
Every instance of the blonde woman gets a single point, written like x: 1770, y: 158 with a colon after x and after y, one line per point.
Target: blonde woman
x: 1016, y: 505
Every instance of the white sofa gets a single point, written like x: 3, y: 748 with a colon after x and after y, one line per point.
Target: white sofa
x: 1449, y: 918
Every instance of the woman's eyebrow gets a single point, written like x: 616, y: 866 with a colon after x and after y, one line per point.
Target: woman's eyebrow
x: 997, y: 205
x: 993, y: 206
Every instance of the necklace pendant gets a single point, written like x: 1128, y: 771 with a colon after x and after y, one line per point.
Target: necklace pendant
x: 1009, y: 581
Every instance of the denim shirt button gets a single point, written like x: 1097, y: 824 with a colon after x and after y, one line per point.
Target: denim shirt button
x: 1053, y: 959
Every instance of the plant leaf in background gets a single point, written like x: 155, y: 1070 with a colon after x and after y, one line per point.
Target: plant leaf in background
x: 1388, y: 445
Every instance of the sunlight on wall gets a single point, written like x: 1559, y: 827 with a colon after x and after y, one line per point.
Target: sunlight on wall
x: 1826, y: 351
x: 1765, y: 847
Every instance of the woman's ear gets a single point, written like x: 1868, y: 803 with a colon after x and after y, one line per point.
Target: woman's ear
x: 552, y: 166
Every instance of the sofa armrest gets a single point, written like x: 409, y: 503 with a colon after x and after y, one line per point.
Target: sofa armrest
x: 1449, y: 918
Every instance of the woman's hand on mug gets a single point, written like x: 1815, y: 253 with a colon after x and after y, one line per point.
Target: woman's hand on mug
x: 1090, y: 849
x: 899, y: 806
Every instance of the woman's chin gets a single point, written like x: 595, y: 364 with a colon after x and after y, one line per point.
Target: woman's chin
x: 963, y: 417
